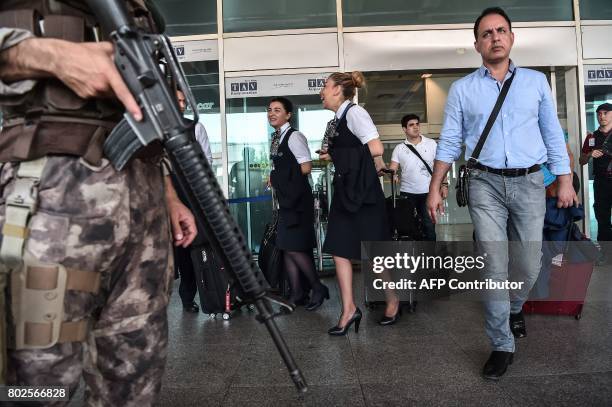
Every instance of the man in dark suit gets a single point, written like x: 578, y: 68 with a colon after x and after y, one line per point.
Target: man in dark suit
x: 183, y: 265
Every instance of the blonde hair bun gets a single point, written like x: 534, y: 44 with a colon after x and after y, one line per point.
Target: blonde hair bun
x: 358, y: 79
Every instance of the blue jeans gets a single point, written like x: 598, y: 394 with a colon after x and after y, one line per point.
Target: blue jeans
x: 505, y: 209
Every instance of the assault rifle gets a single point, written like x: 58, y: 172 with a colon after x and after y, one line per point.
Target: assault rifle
x: 138, y: 56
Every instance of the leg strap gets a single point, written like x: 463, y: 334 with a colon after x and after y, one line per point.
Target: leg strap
x: 42, y: 334
x: 38, y: 291
x: 21, y: 204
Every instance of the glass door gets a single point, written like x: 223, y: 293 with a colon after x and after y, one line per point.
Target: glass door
x: 598, y: 90
x: 391, y: 95
x: 203, y: 80
x: 248, y: 142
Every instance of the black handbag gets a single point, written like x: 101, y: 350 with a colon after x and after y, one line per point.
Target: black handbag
x: 463, y: 180
x: 270, y: 257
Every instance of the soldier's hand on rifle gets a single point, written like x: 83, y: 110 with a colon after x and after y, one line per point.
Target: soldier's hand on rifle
x: 86, y: 68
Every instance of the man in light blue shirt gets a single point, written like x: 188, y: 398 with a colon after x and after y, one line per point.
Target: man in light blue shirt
x: 506, y: 187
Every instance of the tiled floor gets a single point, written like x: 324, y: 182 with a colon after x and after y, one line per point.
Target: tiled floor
x: 430, y: 358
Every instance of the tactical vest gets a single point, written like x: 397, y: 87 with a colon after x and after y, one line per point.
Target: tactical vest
x: 51, y: 118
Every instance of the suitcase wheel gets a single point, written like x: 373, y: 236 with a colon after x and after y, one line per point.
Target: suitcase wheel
x: 578, y: 316
x: 212, y: 315
x: 226, y: 316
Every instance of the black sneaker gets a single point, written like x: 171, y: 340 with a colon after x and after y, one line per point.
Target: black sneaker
x: 517, y: 325
x: 192, y: 307
x: 497, y: 364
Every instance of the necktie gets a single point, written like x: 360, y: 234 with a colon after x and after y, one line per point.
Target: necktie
x: 330, y: 133
x: 275, y: 143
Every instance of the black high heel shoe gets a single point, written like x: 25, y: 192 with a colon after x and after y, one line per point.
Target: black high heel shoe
x: 385, y: 320
x: 318, y: 296
x: 356, y: 318
x: 302, y: 300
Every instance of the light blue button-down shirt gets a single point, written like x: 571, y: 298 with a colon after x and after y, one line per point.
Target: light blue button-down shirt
x: 526, y: 132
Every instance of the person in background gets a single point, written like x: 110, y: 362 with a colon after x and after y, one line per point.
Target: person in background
x: 200, y: 131
x: 550, y: 249
x: 595, y: 147
x: 358, y: 210
x: 183, y: 265
x: 292, y: 165
x: 415, y: 156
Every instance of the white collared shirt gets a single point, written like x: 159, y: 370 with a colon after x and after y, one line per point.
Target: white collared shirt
x: 415, y: 177
x: 359, y: 122
x: 202, y: 138
x: 297, y: 144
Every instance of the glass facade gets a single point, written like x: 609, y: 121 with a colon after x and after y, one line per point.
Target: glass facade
x: 420, y: 12
x: 388, y: 95
x: 189, y: 17
x: 596, y: 9
x: 595, y: 95
x: 391, y: 95
x: 266, y: 15
x: 203, y: 79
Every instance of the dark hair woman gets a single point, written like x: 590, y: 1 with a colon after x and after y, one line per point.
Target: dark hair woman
x: 358, y: 205
x: 289, y: 178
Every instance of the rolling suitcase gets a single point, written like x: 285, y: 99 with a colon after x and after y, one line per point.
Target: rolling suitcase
x: 214, y: 287
x: 406, y: 225
x: 405, y: 221
x: 569, y: 278
x: 569, y: 281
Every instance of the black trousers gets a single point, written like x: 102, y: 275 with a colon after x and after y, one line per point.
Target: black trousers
x: 602, y: 188
x: 420, y: 203
x: 184, y: 267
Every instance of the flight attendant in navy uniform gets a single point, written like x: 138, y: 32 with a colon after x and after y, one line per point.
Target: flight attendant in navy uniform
x: 289, y: 178
x: 358, y: 204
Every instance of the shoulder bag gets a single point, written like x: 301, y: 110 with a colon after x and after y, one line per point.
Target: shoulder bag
x: 464, y: 171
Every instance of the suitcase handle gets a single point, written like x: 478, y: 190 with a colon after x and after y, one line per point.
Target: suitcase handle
x: 392, y: 174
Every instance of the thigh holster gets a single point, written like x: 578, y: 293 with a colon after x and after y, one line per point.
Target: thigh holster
x: 37, y: 303
x: 37, y: 290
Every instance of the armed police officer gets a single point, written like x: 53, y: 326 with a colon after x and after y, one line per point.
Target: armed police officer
x: 87, y: 247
